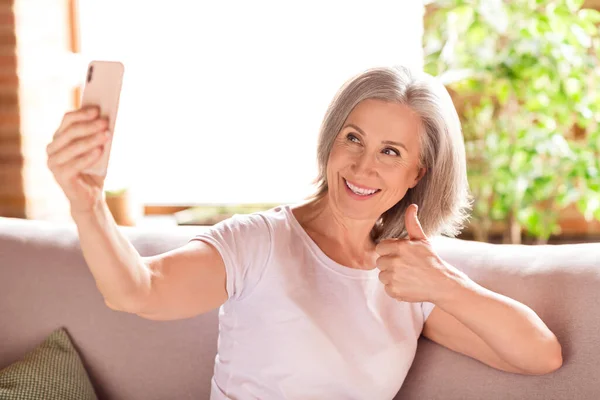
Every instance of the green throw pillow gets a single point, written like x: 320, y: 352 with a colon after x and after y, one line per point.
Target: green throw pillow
x: 51, y: 371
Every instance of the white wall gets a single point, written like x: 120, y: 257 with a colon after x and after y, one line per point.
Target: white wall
x: 222, y: 103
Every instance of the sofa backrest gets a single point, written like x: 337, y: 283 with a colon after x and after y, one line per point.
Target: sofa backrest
x: 45, y: 284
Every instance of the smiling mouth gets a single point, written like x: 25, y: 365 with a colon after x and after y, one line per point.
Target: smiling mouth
x: 360, y: 191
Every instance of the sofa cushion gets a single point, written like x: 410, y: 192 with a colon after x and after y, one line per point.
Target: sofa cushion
x: 53, y: 370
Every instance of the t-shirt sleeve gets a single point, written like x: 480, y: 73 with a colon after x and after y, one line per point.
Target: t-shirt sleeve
x: 426, y: 307
x: 244, y: 242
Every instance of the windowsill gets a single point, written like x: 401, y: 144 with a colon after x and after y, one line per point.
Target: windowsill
x: 198, y: 215
x: 169, y: 220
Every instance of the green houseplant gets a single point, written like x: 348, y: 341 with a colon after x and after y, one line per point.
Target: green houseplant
x: 525, y: 76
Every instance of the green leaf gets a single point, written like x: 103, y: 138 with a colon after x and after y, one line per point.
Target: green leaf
x: 582, y: 36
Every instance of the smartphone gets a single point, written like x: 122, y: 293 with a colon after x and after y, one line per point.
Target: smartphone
x: 103, y: 89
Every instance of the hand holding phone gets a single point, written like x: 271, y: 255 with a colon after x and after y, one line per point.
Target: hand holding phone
x: 79, y: 151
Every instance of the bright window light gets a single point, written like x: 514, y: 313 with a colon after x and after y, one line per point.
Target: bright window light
x: 222, y: 101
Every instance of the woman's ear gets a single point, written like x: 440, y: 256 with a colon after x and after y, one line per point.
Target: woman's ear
x: 420, y: 175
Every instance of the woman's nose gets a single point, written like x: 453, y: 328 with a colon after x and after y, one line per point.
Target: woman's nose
x: 363, y: 164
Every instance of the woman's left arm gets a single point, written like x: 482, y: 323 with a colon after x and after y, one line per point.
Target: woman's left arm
x: 511, y: 329
x: 412, y: 271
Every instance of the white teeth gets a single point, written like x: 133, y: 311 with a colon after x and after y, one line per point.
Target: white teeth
x: 359, y: 191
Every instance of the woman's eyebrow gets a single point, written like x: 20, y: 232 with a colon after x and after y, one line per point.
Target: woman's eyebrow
x: 384, y: 142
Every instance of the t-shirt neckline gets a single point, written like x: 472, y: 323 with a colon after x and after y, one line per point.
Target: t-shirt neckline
x: 324, y: 258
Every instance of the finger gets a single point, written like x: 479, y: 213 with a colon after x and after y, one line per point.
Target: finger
x: 76, y: 131
x: 413, y: 226
x: 385, y: 263
x: 387, y: 246
x: 86, y: 113
x: 75, y: 167
x: 391, y: 291
x: 76, y: 149
x: 380, y: 264
x: 385, y: 277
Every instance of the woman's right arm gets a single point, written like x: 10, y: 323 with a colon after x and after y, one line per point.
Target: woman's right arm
x: 177, y: 284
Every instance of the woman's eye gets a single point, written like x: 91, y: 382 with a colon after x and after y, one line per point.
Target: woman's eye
x: 352, y: 138
x: 393, y: 152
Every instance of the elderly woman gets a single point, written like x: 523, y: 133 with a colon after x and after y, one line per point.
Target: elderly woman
x: 323, y: 299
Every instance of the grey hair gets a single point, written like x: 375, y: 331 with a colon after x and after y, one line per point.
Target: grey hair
x: 442, y: 195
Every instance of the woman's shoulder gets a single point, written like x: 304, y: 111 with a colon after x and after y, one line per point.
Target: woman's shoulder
x: 245, y: 241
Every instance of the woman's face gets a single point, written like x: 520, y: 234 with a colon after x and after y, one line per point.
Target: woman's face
x: 374, y: 159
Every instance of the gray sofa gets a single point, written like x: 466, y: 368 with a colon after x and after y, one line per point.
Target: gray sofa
x: 45, y: 284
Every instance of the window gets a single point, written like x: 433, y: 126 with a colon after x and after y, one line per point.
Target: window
x: 222, y: 101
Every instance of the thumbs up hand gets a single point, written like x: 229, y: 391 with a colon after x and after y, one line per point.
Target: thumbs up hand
x: 410, y: 269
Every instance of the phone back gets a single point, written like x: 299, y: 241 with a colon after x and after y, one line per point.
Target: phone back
x: 103, y: 89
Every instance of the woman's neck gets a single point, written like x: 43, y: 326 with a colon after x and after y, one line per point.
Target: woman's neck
x: 347, y: 239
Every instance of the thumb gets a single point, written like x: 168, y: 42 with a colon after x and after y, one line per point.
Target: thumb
x: 413, y: 226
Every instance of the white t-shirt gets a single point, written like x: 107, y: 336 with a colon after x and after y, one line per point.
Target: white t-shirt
x: 298, y: 325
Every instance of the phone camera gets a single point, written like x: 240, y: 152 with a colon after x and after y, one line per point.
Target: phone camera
x: 90, y: 72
